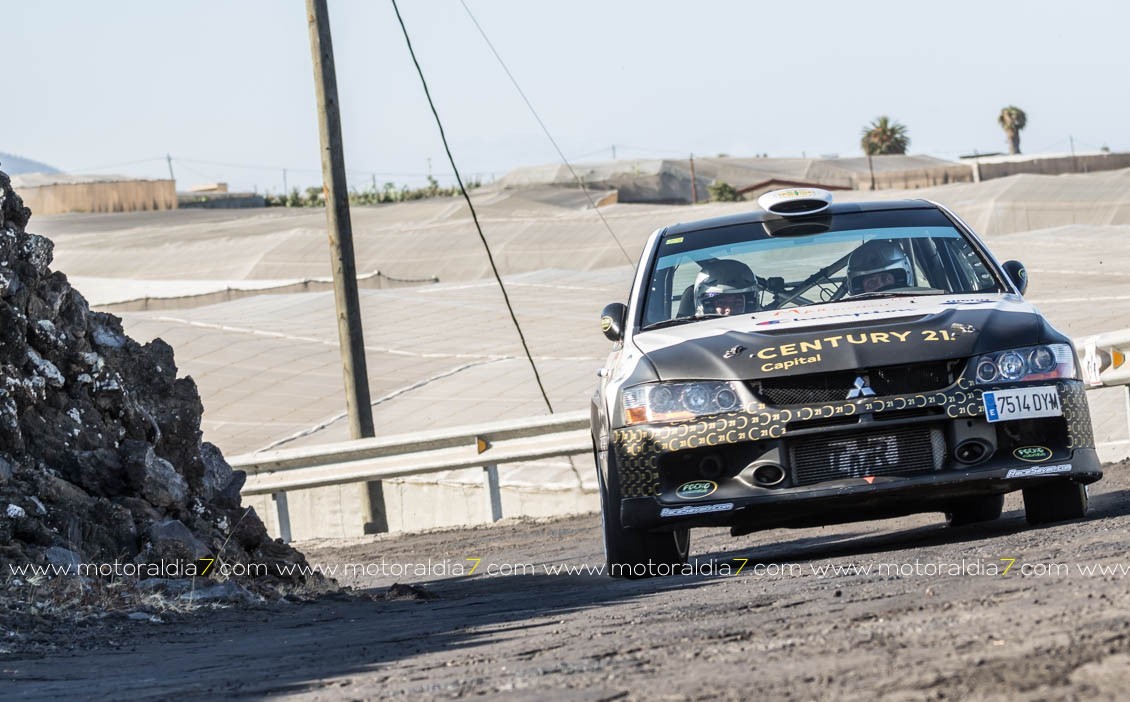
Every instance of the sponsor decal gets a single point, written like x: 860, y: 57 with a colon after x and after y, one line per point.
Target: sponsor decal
x: 756, y: 421
x: 675, y: 240
x: 790, y: 355
x: 696, y: 489
x: 695, y: 509
x: 605, y: 323
x: 803, y: 313
x: 733, y: 351
x: 1038, y: 470
x: 791, y: 363
x: 1033, y: 454
x: 958, y: 328
x: 860, y: 457
x: 983, y: 301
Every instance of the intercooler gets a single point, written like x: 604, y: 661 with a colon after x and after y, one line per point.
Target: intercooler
x: 905, y: 451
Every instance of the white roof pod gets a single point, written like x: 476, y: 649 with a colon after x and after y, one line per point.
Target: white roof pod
x: 795, y: 202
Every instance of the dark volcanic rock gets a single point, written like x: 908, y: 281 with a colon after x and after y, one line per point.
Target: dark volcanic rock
x: 172, y: 541
x: 217, y: 473
x: 153, y: 477
x: 101, y: 458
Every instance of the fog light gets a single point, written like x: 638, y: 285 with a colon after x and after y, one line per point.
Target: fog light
x: 986, y: 371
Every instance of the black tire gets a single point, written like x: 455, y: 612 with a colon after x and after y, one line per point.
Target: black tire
x: 628, y: 551
x: 973, y: 510
x: 1055, y: 502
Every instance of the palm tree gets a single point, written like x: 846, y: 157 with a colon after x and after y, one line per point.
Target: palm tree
x: 1012, y: 119
x: 883, y: 136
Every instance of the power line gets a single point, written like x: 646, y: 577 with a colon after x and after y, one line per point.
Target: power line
x: 266, y: 167
x: 116, y: 165
x: 365, y: 171
x: 547, y: 134
x: 259, y: 167
x: 474, y: 216
x: 207, y: 176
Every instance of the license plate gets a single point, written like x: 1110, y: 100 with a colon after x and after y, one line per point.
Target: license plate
x: 1021, y: 403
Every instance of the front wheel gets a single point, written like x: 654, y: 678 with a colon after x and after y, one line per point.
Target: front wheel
x: 1055, y: 502
x: 635, y: 553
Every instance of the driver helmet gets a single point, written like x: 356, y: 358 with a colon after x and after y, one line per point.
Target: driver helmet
x: 725, y: 287
x: 878, y: 265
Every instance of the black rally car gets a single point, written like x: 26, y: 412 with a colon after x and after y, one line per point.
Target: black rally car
x: 819, y: 363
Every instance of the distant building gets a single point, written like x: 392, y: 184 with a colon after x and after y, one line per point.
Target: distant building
x: 215, y: 196
x: 670, y: 180
x: 989, y: 166
x: 209, y: 188
x: 56, y: 193
x: 756, y: 190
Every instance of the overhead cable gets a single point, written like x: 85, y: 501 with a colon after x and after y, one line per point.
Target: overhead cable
x: 549, y: 136
x: 474, y: 215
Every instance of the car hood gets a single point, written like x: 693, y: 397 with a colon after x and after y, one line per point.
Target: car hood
x: 845, y: 335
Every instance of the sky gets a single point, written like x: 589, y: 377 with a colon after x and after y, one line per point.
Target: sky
x: 226, y: 87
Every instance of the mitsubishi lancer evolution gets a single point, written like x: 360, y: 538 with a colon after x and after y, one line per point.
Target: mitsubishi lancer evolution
x: 817, y: 363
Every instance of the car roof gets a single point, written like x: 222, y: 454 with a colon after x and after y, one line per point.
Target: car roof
x: 758, y: 215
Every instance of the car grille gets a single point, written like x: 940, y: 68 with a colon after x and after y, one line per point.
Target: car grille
x: 864, y: 454
x: 834, y: 387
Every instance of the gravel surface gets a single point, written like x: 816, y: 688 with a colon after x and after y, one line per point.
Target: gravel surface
x: 935, y: 618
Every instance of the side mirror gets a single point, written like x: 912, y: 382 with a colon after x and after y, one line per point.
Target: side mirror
x: 1017, y: 275
x: 612, y: 320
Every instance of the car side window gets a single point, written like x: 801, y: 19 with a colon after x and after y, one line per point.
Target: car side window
x: 970, y: 269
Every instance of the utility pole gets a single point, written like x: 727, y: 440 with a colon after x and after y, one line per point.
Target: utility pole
x: 694, y: 184
x: 169, y: 160
x: 286, y: 191
x: 613, y: 152
x: 346, y: 298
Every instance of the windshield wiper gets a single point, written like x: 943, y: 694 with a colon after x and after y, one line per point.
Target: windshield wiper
x: 682, y: 320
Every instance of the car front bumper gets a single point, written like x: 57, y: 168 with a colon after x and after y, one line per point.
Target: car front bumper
x: 856, y: 499
x: 896, y: 456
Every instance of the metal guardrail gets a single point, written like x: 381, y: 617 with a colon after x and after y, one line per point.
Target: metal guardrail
x: 483, y: 446
x: 1103, y: 357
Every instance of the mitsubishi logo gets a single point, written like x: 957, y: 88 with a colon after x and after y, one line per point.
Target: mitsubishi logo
x: 861, y: 389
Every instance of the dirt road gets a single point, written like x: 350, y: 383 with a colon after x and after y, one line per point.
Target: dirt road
x: 917, y: 611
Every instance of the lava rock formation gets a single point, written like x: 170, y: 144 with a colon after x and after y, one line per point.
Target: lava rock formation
x: 101, y: 458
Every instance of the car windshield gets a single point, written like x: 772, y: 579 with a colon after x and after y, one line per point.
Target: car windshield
x: 752, y: 267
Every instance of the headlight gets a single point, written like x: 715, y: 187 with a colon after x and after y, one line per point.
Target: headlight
x: 1028, y: 363
x: 669, y: 402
